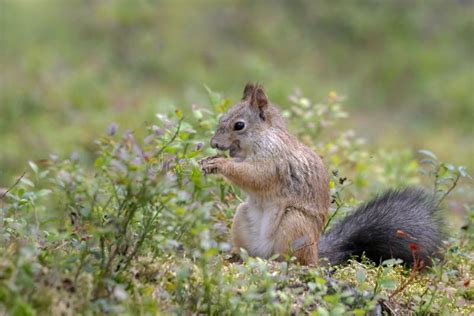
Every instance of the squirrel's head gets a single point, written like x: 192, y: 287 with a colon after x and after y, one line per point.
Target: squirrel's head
x: 244, y: 123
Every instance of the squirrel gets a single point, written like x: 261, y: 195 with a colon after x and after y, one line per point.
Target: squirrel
x: 288, y: 197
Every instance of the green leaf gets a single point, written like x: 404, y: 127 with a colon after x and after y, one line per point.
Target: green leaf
x: 180, y: 211
x: 392, y: 262
x: 388, y: 284
x: 33, y: 166
x: 27, y: 182
x: 43, y: 192
x: 192, y: 154
x: 332, y: 298
x: 99, y: 162
x: 320, y: 281
x: 211, y: 252
x: 428, y: 153
x: 359, y: 312
x: 321, y: 311
x: 360, y: 275
x: 22, y: 308
x: 338, y: 310
x: 214, y: 97
x: 197, y: 114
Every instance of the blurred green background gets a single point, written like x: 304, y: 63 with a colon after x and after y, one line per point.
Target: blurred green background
x: 69, y: 68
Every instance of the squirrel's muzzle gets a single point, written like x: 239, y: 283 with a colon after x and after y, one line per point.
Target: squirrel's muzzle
x: 233, y: 148
x: 218, y: 144
x: 214, y: 143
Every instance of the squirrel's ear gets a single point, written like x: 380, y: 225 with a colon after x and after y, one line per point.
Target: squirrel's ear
x: 248, y: 91
x: 259, y: 100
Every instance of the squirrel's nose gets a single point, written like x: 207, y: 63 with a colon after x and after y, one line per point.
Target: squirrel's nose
x: 214, y: 143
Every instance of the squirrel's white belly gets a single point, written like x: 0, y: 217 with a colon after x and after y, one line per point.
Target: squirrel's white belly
x: 261, y: 223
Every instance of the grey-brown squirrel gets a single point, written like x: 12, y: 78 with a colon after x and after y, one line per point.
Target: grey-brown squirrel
x: 288, y: 197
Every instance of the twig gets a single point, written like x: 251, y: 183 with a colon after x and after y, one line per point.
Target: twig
x: 455, y: 182
x: 171, y: 140
x: 332, y: 216
x: 146, y: 231
x: 404, y: 284
x: 417, y: 266
x: 14, y: 185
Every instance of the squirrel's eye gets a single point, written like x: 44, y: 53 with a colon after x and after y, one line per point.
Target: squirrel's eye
x: 239, y: 126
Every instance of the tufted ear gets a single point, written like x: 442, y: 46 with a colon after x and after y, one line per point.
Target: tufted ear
x: 259, y: 101
x: 248, y: 91
x: 259, y: 98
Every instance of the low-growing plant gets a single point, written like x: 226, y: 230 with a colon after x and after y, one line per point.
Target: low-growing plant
x: 142, y: 231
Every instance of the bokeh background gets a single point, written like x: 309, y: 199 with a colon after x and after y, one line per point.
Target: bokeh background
x: 69, y: 68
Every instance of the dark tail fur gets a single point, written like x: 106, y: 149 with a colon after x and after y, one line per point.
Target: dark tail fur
x: 397, y: 224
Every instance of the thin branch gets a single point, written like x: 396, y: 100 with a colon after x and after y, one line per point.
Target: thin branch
x: 455, y: 182
x: 171, y: 140
x: 332, y: 216
x: 146, y: 231
x: 14, y: 185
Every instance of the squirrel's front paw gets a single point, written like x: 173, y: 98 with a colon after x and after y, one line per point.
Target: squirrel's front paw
x: 211, y: 164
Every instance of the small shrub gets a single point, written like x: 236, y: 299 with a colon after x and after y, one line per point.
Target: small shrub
x: 142, y: 231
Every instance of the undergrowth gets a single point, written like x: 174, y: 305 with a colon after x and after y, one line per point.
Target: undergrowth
x: 142, y: 231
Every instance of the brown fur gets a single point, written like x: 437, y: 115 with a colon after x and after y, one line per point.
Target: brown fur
x: 286, y: 182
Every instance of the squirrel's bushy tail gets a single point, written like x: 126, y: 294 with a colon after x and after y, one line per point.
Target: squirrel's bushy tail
x: 397, y: 224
